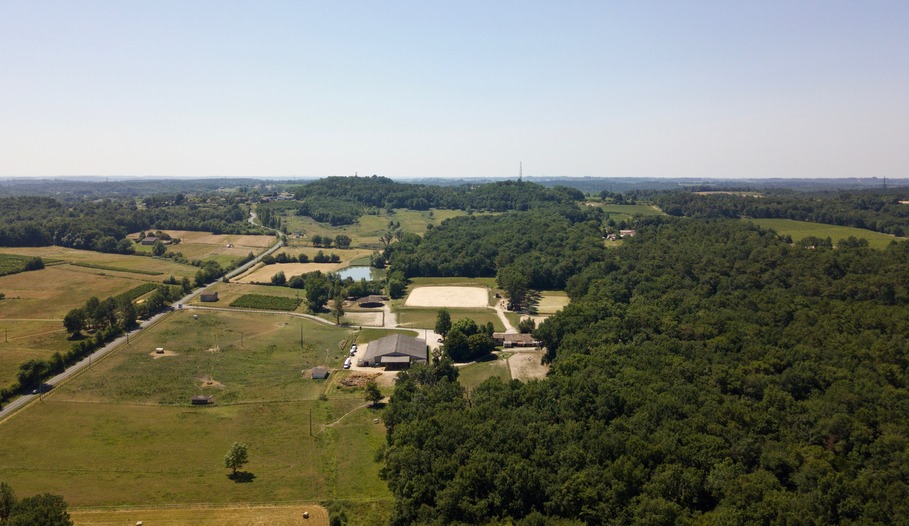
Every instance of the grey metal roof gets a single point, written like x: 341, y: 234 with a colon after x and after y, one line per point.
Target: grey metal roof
x: 396, y: 345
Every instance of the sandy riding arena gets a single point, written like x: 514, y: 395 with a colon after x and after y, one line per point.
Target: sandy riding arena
x: 448, y: 297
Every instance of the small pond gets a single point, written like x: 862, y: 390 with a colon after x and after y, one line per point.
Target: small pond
x: 362, y: 272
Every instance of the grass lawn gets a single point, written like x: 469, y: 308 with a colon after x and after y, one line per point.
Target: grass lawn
x: 470, y: 376
x: 552, y: 301
x: 425, y: 318
x: 466, y: 282
x: 632, y: 210
x: 802, y: 229
x: 124, y: 433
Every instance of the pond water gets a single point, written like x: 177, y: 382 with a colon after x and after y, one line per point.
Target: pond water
x: 362, y: 272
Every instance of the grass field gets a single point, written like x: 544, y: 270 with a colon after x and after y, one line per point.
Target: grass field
x: 552, y: 301
x: 802, y: 229
x: 286, y: 515
x: 625, y: 212
x: 124, y: 433
x: 22, y: 340
x: 128, y: 265
x: 470, y: 376
x: 425, y: 318
x: 366, y: 232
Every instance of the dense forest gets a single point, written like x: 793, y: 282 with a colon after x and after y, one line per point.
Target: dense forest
x: 877, y: 210
x: 341, y: 200
x: 102, y: 224
x: 547, y: 245
x: 705, y: 372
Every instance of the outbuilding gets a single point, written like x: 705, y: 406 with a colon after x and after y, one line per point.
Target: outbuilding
x: 395, y: 351
x: 203, y: 400
x: 209, y: 296
x: 319, y: 373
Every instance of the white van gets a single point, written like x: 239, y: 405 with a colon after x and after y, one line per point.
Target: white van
x: 347, y: 363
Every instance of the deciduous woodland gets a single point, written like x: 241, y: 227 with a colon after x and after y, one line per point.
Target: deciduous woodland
x: 705, y: 372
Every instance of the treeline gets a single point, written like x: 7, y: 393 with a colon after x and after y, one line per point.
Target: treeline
x: 873, y: 210
x: 342, y: 200
x: 104, y: 320
x: 103, y: 224
x: 546, y: 245
x: 705, y: 372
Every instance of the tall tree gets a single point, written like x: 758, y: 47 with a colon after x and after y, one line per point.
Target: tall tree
x: 373, y: 393
x: 337, y: 308
x: 237, y: 456
x: 46, y: 509
x: 443, y: 322
x: 7, y: 501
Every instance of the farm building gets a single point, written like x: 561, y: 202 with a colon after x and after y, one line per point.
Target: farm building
x: 203, y: 400
x: 319, y: 373
x: 209, y: 296
x: 149, y: 240
x: 395, y: 352
x: 515, y: 340
x: 374, y: 301
x: 627, y: 233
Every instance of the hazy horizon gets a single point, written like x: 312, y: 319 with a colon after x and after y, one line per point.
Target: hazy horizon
x: 411, y: 90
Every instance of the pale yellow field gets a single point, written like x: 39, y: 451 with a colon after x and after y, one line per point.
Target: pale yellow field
x: 203, y: 516
x: 53, y: 291
x: 264, y: 274
x: 207, y: 238
x: 552, y: 302
x: 454, y: 297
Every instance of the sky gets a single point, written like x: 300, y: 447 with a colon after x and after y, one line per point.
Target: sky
x: 741, y: 89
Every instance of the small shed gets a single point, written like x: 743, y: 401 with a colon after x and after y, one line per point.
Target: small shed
x: 203, y: 400
x: 209, y: 296
x: 319, y: 373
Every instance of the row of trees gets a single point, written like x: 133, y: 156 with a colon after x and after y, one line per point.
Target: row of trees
x: 705, y: 371
x: 103, y: 225
x: 465, y: 341
x: 877, y: 210
x: 46, y: 509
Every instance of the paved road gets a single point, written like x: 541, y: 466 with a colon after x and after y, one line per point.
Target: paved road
x: 87, y: 362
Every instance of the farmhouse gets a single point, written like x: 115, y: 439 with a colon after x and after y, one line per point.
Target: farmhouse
x: 515, y: 340
x: 627, y: 233
x: 209, y: 296
x: 395, y: 352
x: 319, y: 373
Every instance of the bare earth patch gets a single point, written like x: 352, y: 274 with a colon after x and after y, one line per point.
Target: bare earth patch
x: 368, y: 319
x: 525, y: 365
x: 359, y: 379
x: 464, y: 297
x: 208, y: 381
x: 156, y: 354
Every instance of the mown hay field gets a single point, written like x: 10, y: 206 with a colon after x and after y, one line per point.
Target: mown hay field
x: 799, y: 230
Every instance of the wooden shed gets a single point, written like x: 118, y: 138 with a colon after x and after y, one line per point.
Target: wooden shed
x: 203, y: 400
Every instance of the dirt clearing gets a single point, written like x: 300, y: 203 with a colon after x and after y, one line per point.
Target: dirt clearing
x: 464, y: 297
x: 525, y: 365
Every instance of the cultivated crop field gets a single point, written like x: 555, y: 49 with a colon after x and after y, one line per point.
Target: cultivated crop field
x: 124, y: 433
x: 150, y: 269
x: 802, y: 229
x: 261, y: 301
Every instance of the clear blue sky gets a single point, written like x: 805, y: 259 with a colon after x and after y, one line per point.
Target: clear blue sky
x: 455, y: 89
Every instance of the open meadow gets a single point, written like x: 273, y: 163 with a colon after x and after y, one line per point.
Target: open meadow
x: 124, y: 433
x: 223, y: 248
x: 799, y: 230
x: 369, y: 228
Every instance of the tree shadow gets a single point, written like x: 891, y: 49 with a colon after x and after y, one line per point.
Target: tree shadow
x: 376, y: 405
x: 242, y: 477
x: 76, y: 337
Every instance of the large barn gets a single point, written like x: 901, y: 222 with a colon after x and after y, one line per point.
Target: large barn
x: 395, y: 352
